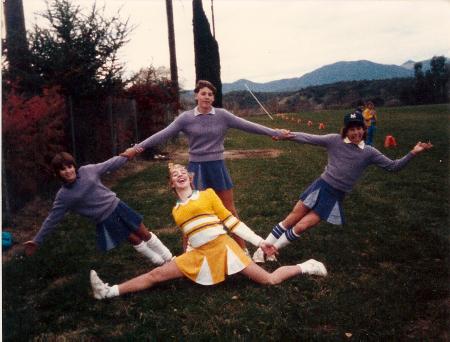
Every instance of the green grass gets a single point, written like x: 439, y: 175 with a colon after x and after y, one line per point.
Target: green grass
x: 388, y: 268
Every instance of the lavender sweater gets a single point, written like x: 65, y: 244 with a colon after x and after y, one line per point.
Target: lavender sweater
x: 205, y: 132
x: 347, y: 162
x: 87, y: 197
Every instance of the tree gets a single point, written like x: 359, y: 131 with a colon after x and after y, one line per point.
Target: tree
x: 32, y: 133
x: 154, y: 93
x: 78, y: 53
x: 15, y: 45
x: 420, y: 85
x: 439, y: 78
x: 207, y: 59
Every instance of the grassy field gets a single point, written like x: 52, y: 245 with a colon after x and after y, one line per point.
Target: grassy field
x: 388, y: 268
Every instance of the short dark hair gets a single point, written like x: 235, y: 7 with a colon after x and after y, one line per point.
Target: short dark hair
x: 61, y: 159
x: 344, y: 130
x: 202, y: 83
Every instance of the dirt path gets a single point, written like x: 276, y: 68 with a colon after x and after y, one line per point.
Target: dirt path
x: 238, y: 154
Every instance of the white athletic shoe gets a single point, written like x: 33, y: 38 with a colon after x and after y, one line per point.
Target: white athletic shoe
x: 258, y: 256
x: 271, y: 258
x: 99, y: 288
x: 313, y: 267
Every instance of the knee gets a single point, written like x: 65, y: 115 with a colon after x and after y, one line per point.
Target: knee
x: 271, y: 280
x: 300, y: 227
x: 152, y: 277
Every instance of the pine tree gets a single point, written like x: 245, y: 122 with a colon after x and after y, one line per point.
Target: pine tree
x: 207, y: 59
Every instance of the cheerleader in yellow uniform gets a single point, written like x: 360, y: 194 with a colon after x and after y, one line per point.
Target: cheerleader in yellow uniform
x: 210, y: 252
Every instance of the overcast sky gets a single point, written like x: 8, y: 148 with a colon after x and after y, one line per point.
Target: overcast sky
x: 263, y: 40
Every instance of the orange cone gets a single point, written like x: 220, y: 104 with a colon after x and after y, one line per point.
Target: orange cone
x: 293, y: 119
x: 389, y: 141
x: 321, y: 126
x: 299, y: 121
x: 309, y: 123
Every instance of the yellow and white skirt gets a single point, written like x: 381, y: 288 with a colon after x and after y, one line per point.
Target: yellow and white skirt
x: 208, y: 264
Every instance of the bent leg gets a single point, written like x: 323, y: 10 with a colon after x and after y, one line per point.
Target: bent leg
x: 143, y: 233
x: 139, y: 235
x: 308, y: 221
x: 261, y: 276
x: 145, y: 281
x: 289, y: 236
x: 299, y: 211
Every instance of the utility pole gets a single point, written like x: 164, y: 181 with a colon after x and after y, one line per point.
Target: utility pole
x: 173, y: 56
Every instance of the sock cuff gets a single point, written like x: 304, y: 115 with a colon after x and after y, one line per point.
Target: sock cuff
x: 113, y: 291
x: 278, y: 230
x: 291, y: 235
x: 141, y: 246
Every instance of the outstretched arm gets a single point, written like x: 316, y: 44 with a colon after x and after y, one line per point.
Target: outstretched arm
x: 420, y: 147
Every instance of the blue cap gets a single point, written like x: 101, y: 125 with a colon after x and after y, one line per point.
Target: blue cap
x: 353, y: 117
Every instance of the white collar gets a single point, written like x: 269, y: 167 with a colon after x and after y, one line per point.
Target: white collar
x: 361, y: 145
x: 195, y: 195
x: 212, y: 111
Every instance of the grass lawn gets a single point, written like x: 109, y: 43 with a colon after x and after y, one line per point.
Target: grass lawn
x: 388, y: 267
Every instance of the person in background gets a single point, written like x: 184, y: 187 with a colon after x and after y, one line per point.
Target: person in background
x: 210, y: 254
x: 370, y: 119
x: 206, y: 128
x: 361, y: 106
x: 83, y: 192
x: 348, y: 157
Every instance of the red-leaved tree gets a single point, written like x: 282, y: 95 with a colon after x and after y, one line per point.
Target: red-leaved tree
x: 154, y: 102
x: 33, y: 132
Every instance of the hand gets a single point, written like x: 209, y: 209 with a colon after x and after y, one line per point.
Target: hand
x: 132, y: 152
x: 32, y: 246
x: 269, y: 249
x: 285, y: 134
x: 420, y: 147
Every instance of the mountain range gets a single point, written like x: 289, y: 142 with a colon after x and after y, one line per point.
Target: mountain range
x: 336, y: 72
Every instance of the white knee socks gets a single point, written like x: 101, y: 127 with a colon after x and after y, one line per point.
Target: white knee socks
x: 156, y: 245
x: 285, y: 239
x: 153, y: 256
x: 276, y: 233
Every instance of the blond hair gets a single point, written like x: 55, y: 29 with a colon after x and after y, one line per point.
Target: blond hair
x: 172, y: 168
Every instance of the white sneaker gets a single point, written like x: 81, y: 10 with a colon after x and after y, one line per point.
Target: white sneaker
x: 313, y: 267
x: 258, y: 256
x: 99, y: 288
x: 271, y: 258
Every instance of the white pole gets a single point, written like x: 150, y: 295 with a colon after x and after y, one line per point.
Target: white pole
x: 258, y: 101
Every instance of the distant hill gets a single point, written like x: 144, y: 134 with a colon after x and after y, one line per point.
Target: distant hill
x: 337, y: 72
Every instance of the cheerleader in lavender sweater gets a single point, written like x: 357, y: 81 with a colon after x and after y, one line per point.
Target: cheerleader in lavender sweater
x: 348, y: 157
x: 205, y: 128
x: 84, y: 193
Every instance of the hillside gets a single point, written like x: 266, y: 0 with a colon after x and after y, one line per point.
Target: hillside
x: 336, y: 72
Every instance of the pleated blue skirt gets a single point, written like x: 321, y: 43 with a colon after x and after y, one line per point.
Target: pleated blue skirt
x: 117, y: 227
x: 213, y: 174
x: 325, y: 201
